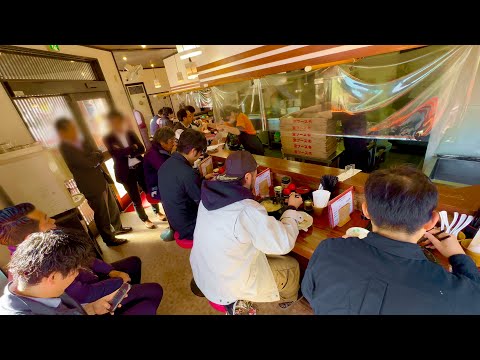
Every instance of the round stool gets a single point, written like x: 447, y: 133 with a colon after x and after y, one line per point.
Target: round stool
x: 218, y: 307
x: 183, y: 243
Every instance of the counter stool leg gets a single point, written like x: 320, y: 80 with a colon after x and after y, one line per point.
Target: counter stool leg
x: 195, y: 290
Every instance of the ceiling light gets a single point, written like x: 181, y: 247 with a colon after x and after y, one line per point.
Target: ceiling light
x: 143, y: 46
x: 124, y: 58
x: 188, y: 51
x: 152, y: 65
x: 193, y: 76
x: 157, y: 84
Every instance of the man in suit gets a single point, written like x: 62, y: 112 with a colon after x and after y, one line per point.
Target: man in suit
x: 100, y: 279
x: 43, y: 267
x: 84, y: 163
x: 126, y: 150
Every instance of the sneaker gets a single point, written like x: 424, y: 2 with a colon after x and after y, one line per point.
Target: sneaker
x: 286, y: 305
x: 167, y: 235
x: 241, y: 307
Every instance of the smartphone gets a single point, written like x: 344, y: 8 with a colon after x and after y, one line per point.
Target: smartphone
x: 120, y: 295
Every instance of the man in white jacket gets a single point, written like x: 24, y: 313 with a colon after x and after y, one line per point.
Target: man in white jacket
x: 235, y: 255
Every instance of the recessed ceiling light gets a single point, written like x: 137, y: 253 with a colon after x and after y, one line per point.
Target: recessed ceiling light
x: 124, y: 58
x: 143, y: 46
x: 152, y: 65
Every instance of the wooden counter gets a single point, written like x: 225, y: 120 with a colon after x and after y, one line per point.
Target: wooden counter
x: 465, y: 200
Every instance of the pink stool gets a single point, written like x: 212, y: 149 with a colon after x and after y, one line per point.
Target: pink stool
x: 183, y: 243
x: 150, y: 199
x: 217, y: 307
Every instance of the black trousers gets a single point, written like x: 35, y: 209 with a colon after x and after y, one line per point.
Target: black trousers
x: 251, y: 143
x: 106, y: 214
x: 136, y: 177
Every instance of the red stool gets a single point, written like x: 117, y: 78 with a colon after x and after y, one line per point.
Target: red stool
x: 217, y: 307
x: 183, y: 243
x: 150, y: 199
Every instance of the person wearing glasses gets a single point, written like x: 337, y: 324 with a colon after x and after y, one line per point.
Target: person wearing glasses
x: 179, y: 183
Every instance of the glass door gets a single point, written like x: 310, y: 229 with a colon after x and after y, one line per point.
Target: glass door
x: 92, y: 109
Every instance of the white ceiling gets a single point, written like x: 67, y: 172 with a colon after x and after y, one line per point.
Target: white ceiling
x: 136, y: 55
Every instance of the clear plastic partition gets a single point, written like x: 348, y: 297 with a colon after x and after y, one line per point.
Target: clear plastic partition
x: 244, y: 95
x: 198, y: 98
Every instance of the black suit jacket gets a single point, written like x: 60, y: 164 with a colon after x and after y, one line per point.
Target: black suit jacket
x: 120, y: 153
x: 85, y: 168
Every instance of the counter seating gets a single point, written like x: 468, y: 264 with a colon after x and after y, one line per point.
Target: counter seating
x: 465, y: 200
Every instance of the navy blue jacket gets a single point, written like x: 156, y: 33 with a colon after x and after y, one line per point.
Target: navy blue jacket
x: 378, y: 275
x: 179, y: 186
x: 153, y: 160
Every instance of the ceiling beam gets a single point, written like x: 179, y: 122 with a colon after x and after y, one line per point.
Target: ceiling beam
x: 126, y: 50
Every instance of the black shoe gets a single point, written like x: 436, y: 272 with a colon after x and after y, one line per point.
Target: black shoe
x: 123, y: 230
x: 116, y: 242
x: 195, y: 289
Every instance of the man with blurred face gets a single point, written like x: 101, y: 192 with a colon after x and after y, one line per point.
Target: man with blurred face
x: 126, y: 150
x: 84, y: 163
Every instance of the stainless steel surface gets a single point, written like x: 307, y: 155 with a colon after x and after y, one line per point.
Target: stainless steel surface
x: 458, y: 171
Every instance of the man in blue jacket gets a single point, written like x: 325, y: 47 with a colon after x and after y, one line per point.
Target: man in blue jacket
x: 179, y: 183
x: 387, y: 272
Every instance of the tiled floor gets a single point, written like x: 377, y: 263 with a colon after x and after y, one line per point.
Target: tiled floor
x: 168, y: 264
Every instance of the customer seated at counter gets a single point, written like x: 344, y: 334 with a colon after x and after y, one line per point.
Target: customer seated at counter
x: 163, y: 144
x: 238, y: 123
x: 184, y: 120
x: 179, y: 184
x: 387, y: 272
x: 237, y: 247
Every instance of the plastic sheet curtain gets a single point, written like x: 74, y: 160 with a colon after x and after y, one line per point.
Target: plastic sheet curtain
x: 198, y: 99
x: 417, y: 94
x: 244, y: 95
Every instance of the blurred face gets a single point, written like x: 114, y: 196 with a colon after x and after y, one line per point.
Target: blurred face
x: 118, y: 124
x: 44, y: 222
x: 231, y: 118
x: 70, y: 133
x: 169, y: 145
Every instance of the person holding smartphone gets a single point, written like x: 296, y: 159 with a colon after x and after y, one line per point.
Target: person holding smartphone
x: 44, y: 266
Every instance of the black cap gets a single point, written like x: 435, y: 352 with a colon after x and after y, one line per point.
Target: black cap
x: 237, y: 165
